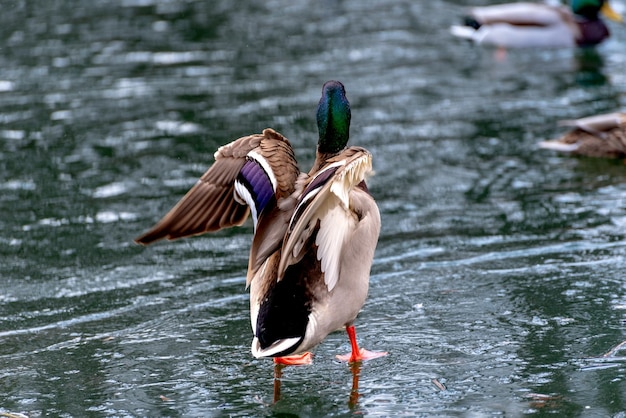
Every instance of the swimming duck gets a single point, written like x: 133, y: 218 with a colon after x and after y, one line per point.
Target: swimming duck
x: 314, y: 233
x: 593, y: 136
x: 536, y: 25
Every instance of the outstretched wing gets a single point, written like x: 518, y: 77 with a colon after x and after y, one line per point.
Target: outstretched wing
x: 326, y: 207
x: 248, y: 175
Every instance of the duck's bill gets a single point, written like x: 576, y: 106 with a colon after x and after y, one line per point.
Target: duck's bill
x: 610, y: 13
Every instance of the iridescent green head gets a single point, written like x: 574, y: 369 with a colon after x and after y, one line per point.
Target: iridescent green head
x: 586, y: 8
x: 333, y: 118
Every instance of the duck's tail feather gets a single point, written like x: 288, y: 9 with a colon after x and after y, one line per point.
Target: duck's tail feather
x: 279, y: 348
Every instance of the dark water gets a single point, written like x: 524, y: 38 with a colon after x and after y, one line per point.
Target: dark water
x: 499, y: 278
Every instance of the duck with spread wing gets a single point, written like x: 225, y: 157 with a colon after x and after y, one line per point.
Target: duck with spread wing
x: 314, y: 233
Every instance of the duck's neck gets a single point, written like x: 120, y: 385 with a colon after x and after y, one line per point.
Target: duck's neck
x: 321, y: 160
x: 333, y: 123
x: 592, y: 32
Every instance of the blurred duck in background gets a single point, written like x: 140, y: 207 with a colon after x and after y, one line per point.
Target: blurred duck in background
x: 594, y: 136
x: 538, y: 25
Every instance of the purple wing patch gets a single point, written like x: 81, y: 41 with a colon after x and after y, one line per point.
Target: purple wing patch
x: 257, y: 182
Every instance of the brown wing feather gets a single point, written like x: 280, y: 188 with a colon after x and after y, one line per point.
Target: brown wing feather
x: 209, y: 205
x: 273, y: 223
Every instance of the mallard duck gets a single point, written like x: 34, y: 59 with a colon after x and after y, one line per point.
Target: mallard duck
x: 314, y: 233
x: 536, y: 25
x: 593, y: 136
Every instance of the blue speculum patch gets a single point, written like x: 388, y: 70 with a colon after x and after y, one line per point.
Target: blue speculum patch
x: 258, y: 183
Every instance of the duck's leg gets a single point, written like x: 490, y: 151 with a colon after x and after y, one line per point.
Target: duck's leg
x: 297, y: 360
x: 358, y: 354
x: 278, y: 374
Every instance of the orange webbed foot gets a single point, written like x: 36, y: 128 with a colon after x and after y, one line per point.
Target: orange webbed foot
x: 358, y: 354
x: 297, y: 360
x: 362, y: 355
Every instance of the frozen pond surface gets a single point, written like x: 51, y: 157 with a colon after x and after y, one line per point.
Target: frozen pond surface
x: 499, y: 279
